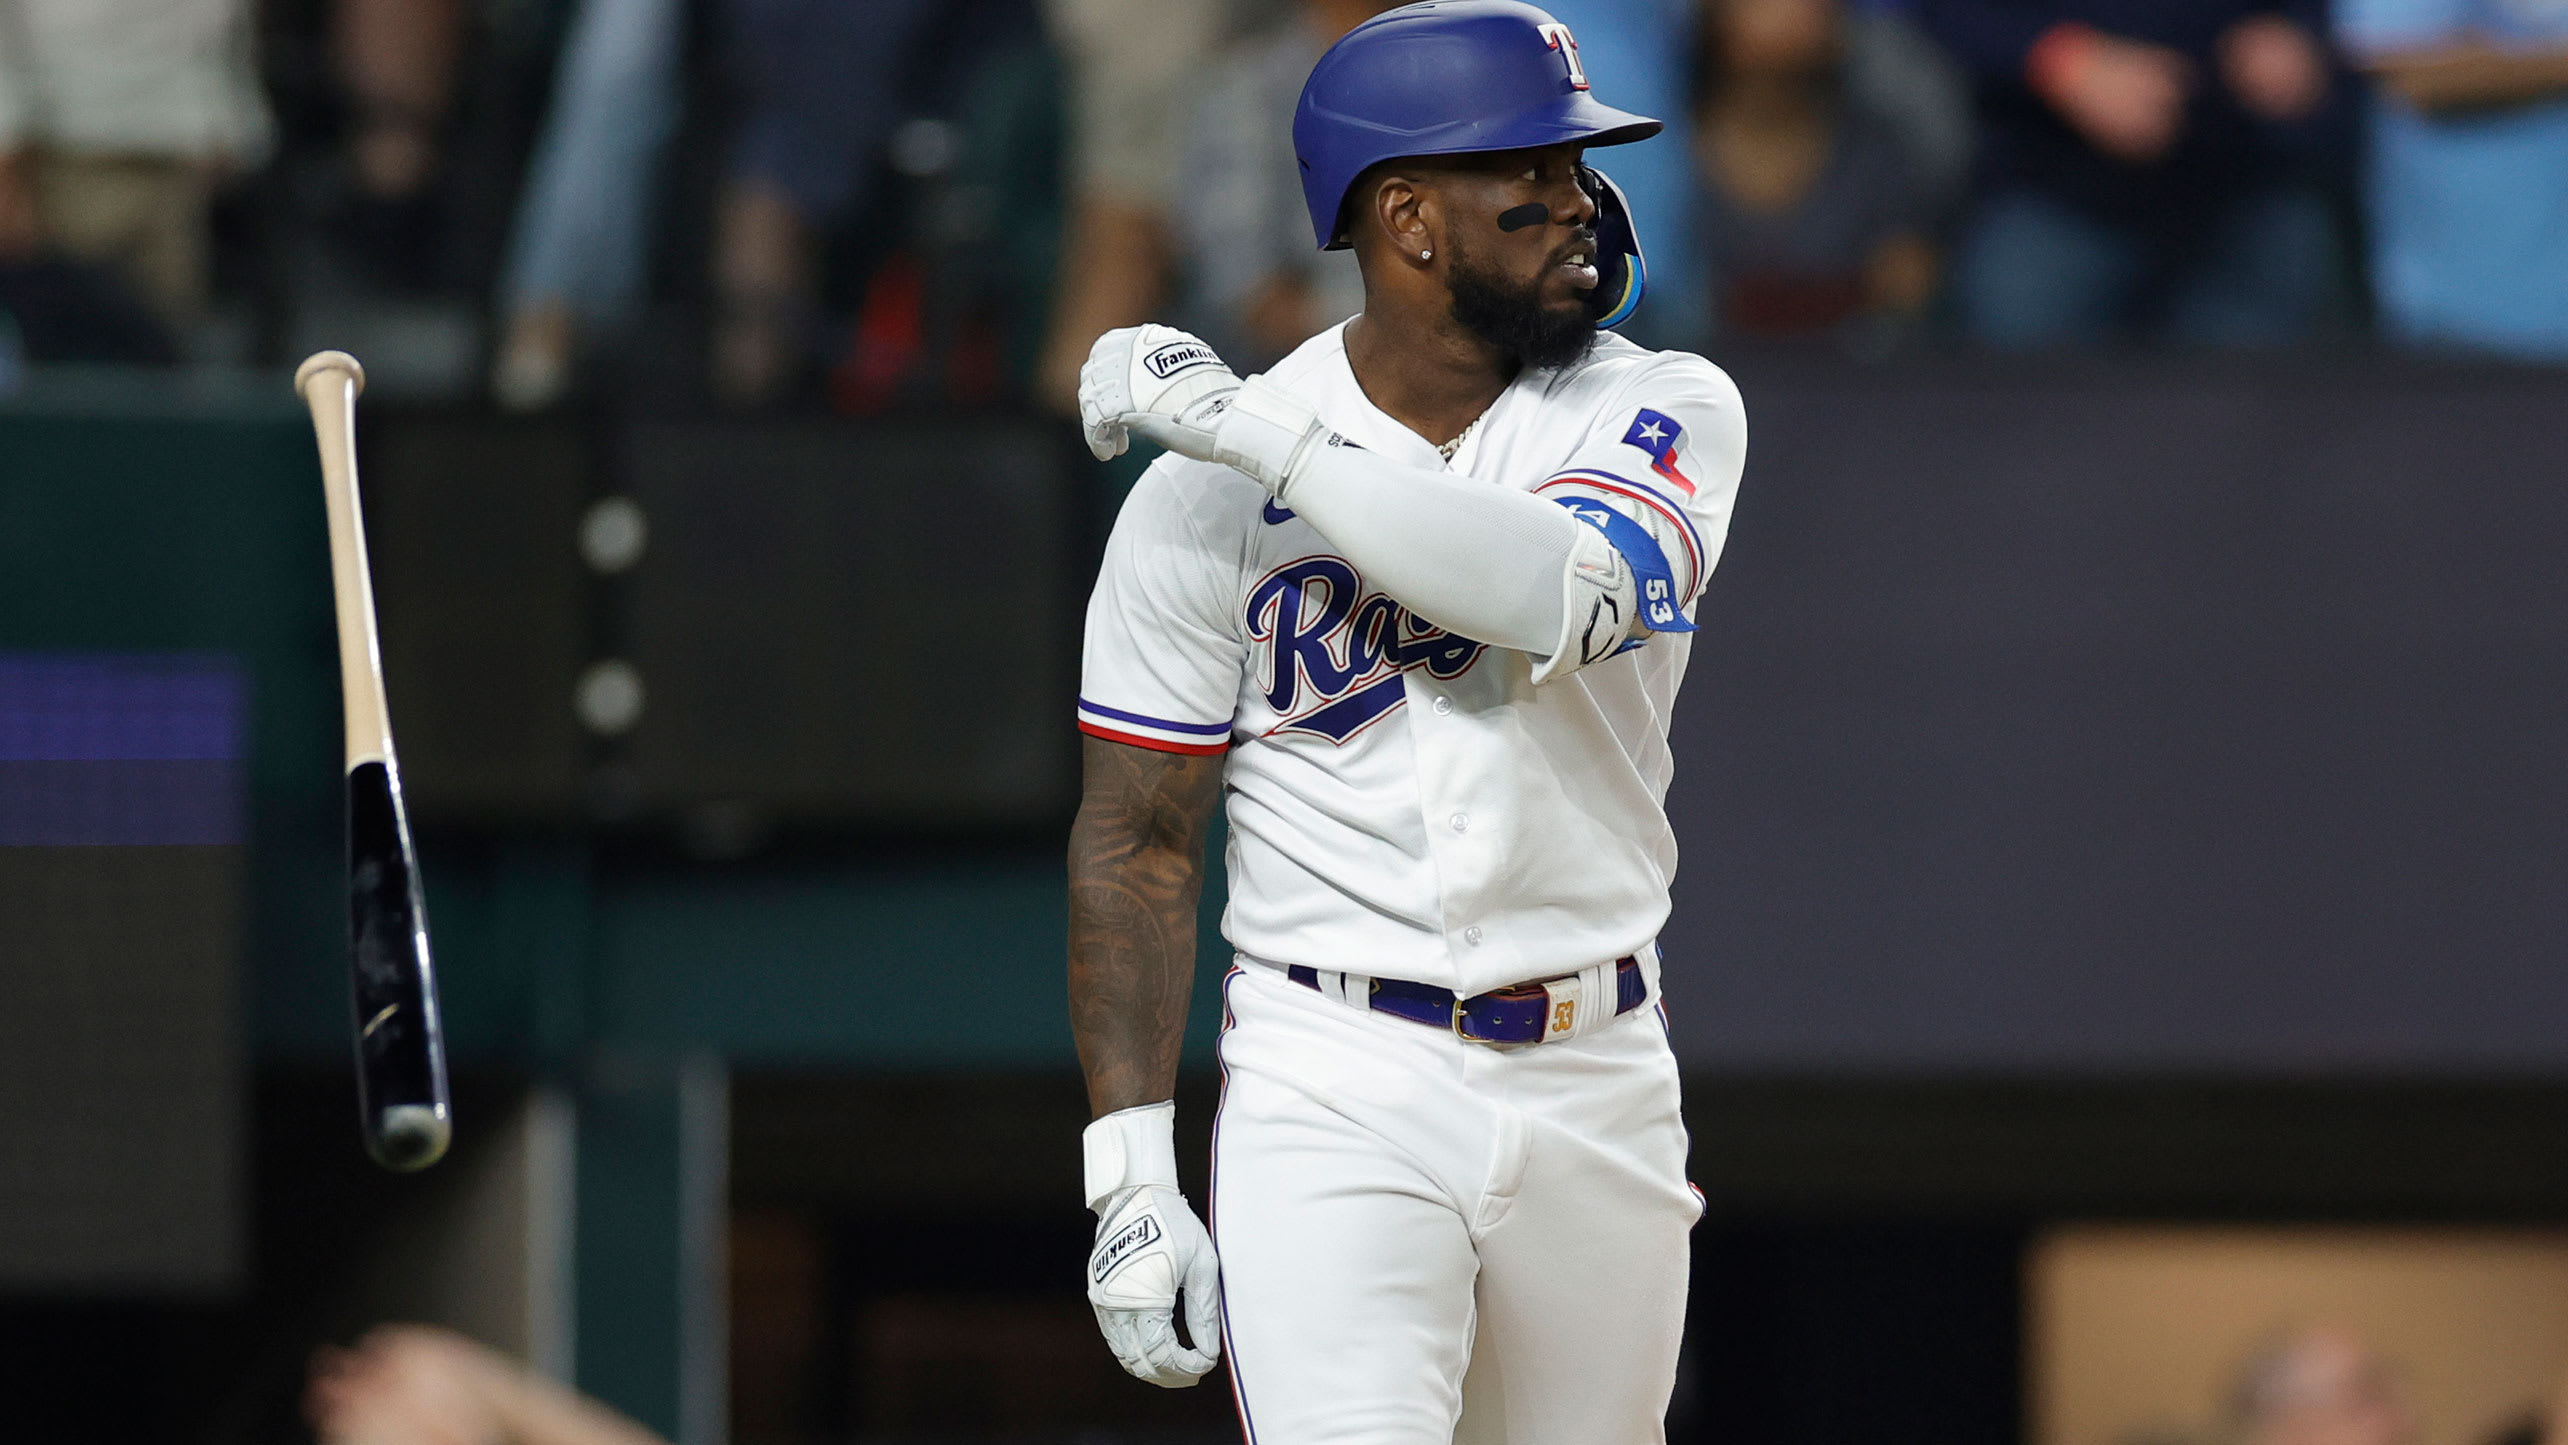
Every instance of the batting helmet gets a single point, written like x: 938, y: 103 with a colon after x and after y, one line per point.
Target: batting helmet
x: 1449, y: 77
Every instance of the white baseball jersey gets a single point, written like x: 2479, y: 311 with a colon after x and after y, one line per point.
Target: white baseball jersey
x: 1401, y: 800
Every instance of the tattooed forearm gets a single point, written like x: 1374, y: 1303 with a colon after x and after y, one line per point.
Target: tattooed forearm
x: 1136, y: 869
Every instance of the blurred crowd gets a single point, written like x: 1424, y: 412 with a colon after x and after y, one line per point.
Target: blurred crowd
x: 861, y: 204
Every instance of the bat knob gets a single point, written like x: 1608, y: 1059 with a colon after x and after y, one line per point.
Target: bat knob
x: 321, y: 361
x: 409, y: 1136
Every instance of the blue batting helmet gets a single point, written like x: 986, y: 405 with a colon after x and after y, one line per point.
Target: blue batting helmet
x: 1449, y: 77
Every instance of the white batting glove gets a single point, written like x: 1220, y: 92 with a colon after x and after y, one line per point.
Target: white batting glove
x: 1155, y: 382
x: 1149, y: 1246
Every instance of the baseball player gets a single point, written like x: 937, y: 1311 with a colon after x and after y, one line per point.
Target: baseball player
x: 1414, y: 607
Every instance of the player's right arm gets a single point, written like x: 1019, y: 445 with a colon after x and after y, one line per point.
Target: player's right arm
x: 1159, y: 676
x: 1159, y: 679
x: 1136, y: 870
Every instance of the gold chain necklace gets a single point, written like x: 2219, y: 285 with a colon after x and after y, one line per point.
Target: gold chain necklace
x: 1447, y: 450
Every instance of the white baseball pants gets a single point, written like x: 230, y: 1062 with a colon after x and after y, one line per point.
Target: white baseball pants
x: 1426, y: 1241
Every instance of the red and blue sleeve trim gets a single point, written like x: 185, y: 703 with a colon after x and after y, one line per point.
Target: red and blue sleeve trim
x: 1159, y: 734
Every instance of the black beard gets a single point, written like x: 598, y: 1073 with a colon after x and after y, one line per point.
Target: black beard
x: 1513, y: 320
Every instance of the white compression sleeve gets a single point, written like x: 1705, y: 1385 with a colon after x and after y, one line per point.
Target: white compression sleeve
x: 1491, y: 563
x: 1481, y: 560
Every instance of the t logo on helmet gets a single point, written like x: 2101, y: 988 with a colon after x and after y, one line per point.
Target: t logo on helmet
x: 1557, y: 36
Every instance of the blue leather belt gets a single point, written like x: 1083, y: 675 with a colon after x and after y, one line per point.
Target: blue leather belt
x: 1512, y: 1015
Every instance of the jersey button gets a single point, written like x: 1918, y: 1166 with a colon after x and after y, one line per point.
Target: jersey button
x: 1461, y: 822
x: 1471, y: 935
x: 1444, y: 706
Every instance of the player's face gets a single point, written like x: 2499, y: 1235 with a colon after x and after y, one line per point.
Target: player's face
x: 1521, y: 239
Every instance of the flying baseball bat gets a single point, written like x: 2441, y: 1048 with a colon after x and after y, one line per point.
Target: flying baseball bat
x: 401, y: 1047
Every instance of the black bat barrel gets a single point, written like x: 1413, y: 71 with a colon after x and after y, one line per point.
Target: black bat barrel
x: 402, y: 1097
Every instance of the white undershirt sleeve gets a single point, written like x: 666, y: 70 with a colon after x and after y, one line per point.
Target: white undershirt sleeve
x: 1475, y: 559
x: 1563, y: 581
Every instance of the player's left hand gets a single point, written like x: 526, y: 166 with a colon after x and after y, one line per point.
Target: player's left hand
x: 1149, y: 1246
x: 1156, y: 382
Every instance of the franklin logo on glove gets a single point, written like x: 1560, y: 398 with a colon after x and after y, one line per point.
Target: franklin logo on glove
x: 1167, y: 361
x: 1115, y: 1251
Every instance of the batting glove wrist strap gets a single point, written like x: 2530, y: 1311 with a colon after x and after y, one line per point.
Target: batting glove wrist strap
x: 1267, y: 432
x: 1127, y: 1149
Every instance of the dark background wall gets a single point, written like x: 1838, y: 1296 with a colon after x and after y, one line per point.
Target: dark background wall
x: 2111, y: 718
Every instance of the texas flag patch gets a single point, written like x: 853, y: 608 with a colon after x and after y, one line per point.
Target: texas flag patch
x: 1654, y: 433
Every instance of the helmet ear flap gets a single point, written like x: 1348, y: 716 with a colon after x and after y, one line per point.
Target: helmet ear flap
x: 1621, y: 275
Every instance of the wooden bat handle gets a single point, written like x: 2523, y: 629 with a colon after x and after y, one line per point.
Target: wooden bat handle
x: 328, y: 382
